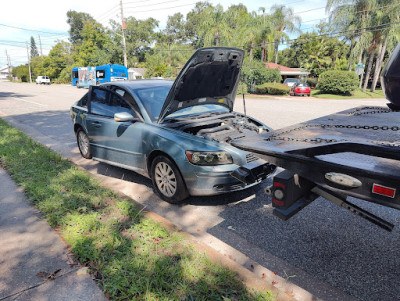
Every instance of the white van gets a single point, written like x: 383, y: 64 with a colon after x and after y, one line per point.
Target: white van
x: 43, y: 80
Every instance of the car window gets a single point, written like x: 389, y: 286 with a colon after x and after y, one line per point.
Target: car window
x: 98, y: 103
x: 83, y: 101
x: 107, y: 103
x: 118, y: 105
x: 153, y: 99
x: 127, y: 97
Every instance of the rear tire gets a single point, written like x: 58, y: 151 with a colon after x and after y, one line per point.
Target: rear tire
x: 167, y: 180
x: 83, y: 144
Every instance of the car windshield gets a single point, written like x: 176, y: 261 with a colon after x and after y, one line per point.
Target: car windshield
x: 153, y: 99
x: 197, y: 110
x: 291, y: 80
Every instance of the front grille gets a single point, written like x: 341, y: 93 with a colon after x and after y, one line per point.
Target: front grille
x: 250, y: 158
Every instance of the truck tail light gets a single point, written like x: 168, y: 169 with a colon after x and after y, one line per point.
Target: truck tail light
x: 383, y: 190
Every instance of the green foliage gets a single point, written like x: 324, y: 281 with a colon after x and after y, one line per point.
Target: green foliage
x: 338, y: 82
x: 22, y: 72
x: 272, y: 89
x: 312, y: 82
x: 34, y: 51
x: 342, y: 64
x: 76, y: 21
x: 157, y: 66
x: 255, y: 73
x: 242, y: 88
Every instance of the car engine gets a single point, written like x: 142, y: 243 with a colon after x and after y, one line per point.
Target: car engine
x: 220, y: 127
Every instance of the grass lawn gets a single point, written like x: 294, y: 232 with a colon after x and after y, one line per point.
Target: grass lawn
x: 129, y: 255
x: 356, y: 94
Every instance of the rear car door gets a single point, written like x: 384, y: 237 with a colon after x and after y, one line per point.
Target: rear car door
x: 111, y: 141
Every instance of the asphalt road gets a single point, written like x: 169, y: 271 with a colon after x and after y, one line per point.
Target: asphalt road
x: 323, y: 249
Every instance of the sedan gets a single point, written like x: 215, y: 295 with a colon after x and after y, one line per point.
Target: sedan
x: 300, y: 89
x: 176, y: 133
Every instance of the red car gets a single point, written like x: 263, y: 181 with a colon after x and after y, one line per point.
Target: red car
x: 300, y: 89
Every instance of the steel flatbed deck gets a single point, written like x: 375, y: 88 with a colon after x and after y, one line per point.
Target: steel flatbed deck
x: 351, y: 153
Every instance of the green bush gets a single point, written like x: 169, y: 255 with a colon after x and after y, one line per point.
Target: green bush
x: 272, y: 89
x: 255, y: 73
x: 242, y: 88
x: 338, y: 82
x: 312, y: 82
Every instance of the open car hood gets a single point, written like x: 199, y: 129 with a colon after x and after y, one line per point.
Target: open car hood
x: 210, y: 76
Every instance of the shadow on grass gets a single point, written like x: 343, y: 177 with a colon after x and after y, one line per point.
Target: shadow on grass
x: 131, y: 257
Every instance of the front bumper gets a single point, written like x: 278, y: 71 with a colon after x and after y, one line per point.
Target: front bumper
x: 213, y: 183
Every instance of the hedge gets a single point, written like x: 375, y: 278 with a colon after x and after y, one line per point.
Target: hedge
x: 272, y: 89
x: 338, y: 82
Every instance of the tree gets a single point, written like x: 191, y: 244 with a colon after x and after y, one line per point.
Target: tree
x: 92, y: 51
x: 34, y: 51
x: 282, y: 19
x: 21, y: 72
x: 215, y: 30
x: 371, y: 17
x: 140, y: 35
x: 193, y: 24
x: 174, y: 32
x: 76, y: 21
x: 58, y: 59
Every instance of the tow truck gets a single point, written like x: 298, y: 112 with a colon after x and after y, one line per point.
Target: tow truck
x: 354, y: 153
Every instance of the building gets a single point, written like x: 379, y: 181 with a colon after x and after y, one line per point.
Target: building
x: 287, y: 72
x: 5, y: 73
x: 136, y: 73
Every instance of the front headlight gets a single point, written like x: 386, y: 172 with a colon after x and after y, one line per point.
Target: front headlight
x: 209, y: 158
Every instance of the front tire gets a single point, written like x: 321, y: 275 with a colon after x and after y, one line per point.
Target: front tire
x: 167, y: 180
x: 83, y: 144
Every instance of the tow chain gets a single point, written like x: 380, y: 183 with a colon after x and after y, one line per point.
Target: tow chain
x: 375, y: 110
x: 279, y: 137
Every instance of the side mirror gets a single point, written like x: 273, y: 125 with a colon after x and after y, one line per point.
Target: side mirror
x: 124, y: 117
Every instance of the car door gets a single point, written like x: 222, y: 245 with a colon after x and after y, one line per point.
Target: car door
x: 119, y: 143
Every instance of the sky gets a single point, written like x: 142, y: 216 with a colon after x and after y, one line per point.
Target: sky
x: 21, y: 19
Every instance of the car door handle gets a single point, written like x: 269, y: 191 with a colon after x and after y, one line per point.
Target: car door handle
x: 96, y: 124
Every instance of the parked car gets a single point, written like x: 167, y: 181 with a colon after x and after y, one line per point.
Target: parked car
x: 300, y: 89
x: 176, y: 133
x: 43, y: 80
x: 291, y: 81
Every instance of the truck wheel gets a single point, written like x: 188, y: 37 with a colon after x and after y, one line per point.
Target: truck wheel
x: 83, y: 144
x: 167, y: 180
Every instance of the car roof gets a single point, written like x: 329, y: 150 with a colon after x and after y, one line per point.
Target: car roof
x: 140, y: 84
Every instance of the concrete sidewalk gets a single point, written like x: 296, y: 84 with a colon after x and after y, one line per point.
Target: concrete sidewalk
x: 34, y: 261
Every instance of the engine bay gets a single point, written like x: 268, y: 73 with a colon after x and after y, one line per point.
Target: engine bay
x: 220, y: 127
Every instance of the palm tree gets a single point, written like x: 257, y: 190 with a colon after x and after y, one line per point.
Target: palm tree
x: 365, y: 15
x: 215, y: 28
x: 282, y: 19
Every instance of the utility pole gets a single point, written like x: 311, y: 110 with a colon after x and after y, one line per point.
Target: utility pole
x: 29, y: 62
x: 40, y: 42
x: 8, y: 62
x: 123, y: 34
x: 9, y: 65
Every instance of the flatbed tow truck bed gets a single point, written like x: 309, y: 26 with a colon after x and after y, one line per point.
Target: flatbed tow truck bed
x: 351, y: 153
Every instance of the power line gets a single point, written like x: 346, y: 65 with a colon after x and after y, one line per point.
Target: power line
x: 165, y: 8
x: 33, y: 30
x: 146, y: 5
